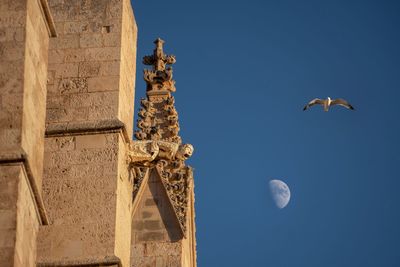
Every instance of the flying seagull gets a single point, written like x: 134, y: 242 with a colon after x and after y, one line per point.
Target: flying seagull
x: 328, y: 102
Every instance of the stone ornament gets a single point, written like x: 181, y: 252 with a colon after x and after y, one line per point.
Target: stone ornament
x: 160, y: 77
x: 158, y: 143
x: 145, y: 152
x: 176, y: 178
x: 142, y: 152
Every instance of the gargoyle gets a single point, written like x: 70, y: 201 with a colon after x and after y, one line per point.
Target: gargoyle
x: 142, y: 152
x: 145, y: 152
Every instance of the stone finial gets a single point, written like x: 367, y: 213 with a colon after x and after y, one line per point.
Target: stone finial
x: 159, y: 78
x: 159, y: 60
x: 158, y: 116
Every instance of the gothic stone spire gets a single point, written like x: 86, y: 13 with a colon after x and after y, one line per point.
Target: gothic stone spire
x: 159, y: 144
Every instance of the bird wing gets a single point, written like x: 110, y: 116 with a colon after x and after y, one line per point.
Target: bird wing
x: 341, y: 102
x: 313, y: 102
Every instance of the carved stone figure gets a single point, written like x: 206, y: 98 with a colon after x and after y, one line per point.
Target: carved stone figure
x: 185, y: 151
x: 172, y: 151
x: 147, y: 151
x: 142, y: 151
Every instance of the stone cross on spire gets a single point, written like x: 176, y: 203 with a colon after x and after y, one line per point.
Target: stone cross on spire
x: 158, y: 60
x: 159, y: 78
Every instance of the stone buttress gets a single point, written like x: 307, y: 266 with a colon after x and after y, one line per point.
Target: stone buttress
x: 87, y: 189
x: 25, y: 28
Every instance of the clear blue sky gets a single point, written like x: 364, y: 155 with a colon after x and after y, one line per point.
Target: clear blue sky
x: 244, y: 71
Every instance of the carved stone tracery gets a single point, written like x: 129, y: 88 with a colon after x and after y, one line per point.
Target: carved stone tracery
x: 176, y: 178
x: 159, y: 144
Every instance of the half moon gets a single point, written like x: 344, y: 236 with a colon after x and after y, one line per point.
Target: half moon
x: 280, y: 193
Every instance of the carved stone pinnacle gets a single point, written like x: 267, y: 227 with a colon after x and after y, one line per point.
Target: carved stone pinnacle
x: 159, y: 145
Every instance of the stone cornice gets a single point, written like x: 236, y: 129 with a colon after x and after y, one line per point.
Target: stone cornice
x: 19, y: 157
x: 88, y: 127
x: 51, y: 27
x: 108, y: 261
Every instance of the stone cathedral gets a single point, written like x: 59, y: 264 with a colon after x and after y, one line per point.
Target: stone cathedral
x: 75, y: 188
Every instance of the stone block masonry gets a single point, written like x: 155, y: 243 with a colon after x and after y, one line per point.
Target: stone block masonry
x: 75, y: 190
x: 90, y: 100
x: 19, y: 221
x: 92, y: 63
x: 157, y: 239
x: 156, y: 235
x: 25, y: 27
x: 87, y: 194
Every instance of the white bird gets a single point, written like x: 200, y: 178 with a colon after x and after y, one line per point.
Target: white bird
x: 328, y: 102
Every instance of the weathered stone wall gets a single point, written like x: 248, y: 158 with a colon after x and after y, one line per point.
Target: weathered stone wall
x: 24, y: 37
x: 91, y: 63
x: 19, y: 221
x: 128, y: 67
x: 123, y: 218
x: 27, y: 225
x: 86, y: 187
x: 88, y: 88
x: 12, y: 52
x: 88, y: 194
x: 80, y: 192
x: 23, y: 74
x: 9, y: 176
x: 156, y: 235
x: 35, y: 78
